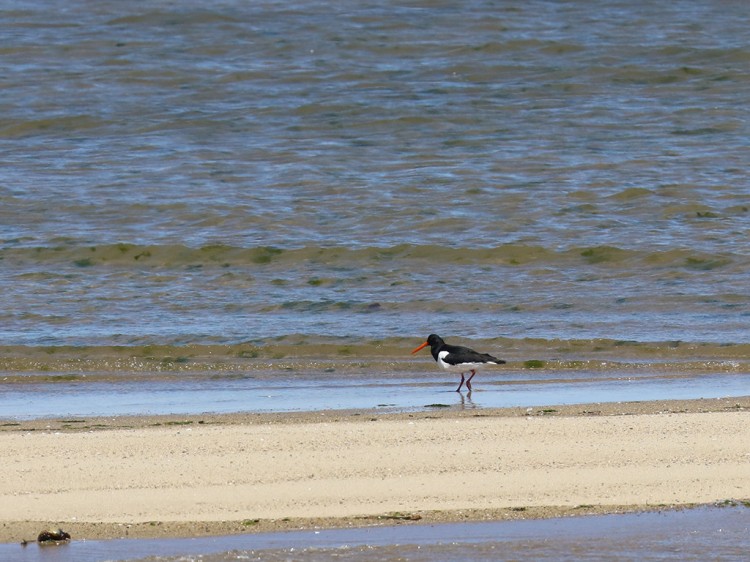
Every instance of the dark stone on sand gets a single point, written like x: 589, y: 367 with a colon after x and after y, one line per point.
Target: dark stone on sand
x: 53, y: 537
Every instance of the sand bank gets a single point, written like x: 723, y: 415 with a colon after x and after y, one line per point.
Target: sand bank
x: 222, y: 474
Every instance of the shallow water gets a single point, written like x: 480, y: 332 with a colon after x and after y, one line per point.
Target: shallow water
x: 299, y: 374
x: 197, y: 396
x: 698, y: 534
x: 217, y: 173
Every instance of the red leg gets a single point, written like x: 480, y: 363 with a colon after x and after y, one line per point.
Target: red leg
x: 468, y: 382
x: 461, y: 383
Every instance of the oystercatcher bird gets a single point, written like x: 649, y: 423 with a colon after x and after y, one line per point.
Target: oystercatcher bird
x: 458, y: 358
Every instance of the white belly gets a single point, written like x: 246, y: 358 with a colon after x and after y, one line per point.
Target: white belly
x: 462, y: 368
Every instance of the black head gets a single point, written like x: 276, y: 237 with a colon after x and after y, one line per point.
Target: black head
x: 433, y: 340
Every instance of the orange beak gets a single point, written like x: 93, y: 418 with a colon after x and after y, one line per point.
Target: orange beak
x: 420, y: 347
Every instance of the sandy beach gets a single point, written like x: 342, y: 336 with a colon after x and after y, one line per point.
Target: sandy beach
x: 199, y: 475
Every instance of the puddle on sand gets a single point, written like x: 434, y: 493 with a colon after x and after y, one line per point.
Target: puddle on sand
x: 191, y: 396
x: 716, y: 533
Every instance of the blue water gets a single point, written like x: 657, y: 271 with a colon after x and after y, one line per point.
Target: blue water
x: 189, y: 396
x: 689, y: 535
x: 230, y: 171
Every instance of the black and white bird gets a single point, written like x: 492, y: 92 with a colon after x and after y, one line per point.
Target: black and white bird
x: 458, y: 358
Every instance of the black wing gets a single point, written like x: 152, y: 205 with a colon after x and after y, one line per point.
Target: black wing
x: 458, y: 354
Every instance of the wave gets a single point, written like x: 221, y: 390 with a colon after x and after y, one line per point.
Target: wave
x: 180, y: 256
x: 63, y: 125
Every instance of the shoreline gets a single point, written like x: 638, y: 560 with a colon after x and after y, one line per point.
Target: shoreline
x: 25, y: 532
x: 102, y: 423
x: 202, y: 475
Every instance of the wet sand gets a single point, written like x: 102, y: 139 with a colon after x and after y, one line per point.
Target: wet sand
x: 171, y: 476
